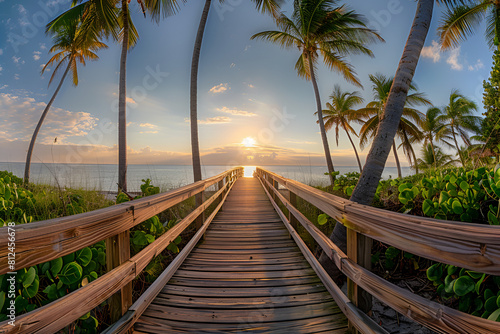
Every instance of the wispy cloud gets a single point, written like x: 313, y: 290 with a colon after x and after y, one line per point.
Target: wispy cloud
x: 214, y: 120
x: 148, y: 125
x: 220, y: 88
x: 1, y: 52
x: 432, y: 51
x: 301, y: 142
x: 148, y: 132
x: 477, y: 66
x: 236, y: 112
x: 454, y: 61
x: 232, y: 65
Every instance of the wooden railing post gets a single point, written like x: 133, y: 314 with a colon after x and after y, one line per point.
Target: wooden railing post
x: 198, y: 202
x: 291, y: 218
x: 352, y: 288
x: 117, y: 252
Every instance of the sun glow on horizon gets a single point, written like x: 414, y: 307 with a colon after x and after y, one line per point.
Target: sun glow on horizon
x: 248, y: 142
x: 248, y: 171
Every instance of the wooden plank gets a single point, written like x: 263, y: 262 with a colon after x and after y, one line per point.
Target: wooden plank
x: 245, y: 283
x: 352, y: 288
x: 248, y: 274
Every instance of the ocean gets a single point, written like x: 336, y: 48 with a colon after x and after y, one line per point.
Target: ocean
x: 105, y: 177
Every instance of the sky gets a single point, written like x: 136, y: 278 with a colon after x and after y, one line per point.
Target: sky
x: 253, y: 108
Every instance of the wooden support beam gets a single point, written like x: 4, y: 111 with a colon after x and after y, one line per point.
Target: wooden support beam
x: 118, y: 252
x: 352, y: 288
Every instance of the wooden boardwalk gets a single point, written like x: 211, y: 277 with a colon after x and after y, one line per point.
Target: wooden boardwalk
x: 247, y: 276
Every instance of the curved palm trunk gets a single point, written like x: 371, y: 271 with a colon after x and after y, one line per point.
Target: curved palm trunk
x: 195, y: 146
x: 456, y: 145
x: 122, y: 104
x: 27, y: 168
x: 398, y: 164
x: 326, y: 147
x: 355, y: 151
x: 367, y: 185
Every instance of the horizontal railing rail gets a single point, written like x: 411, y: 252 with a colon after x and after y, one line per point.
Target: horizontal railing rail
x: 40, y: 242
x: 467, y: 245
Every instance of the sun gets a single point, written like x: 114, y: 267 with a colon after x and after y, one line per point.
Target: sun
x: 248, y: 142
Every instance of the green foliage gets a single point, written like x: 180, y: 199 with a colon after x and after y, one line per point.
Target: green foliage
x: 475, y: 292
x: 491, y: 100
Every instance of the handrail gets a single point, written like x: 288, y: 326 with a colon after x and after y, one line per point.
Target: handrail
x: 47, y: 240
x: 433, y: 315
x: 58, y: 314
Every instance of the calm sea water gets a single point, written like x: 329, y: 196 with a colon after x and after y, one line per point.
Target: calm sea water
x: 105, y: 177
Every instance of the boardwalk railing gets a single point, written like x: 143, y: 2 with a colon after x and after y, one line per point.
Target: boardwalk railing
x: 472, y: 246
x: 43, y: 241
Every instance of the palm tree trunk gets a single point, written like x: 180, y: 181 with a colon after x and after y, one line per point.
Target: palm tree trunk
x: 195, y: 146
x: 122, y: 104
x: 398, y: 164
x: 456, y: 145
x: 433, y: 151
x: 355, y: 151
x: 326, y: 147
x: 414, y: 159
x: 367, y: 185
x: 27, y: 168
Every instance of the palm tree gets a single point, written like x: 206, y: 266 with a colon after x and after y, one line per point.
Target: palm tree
x: 266, y: 6
x: 458, y: 117
x: 433, y: 156
x: 324, y: 29
x: 409, y: 125
x: 110, y: 17
x: 434, y: 130
x: 375, y: 161
x: 461, y: 20
x: 340, y: 113
x: 73, y: 45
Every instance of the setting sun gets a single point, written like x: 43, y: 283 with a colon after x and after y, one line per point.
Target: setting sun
x: 248, y: 142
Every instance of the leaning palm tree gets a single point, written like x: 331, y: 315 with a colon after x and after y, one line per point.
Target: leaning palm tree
x: 409, y: 125
x: 269, y: 6
x: 72, y: 45
x: 375, y: 161
x: 340, y: 114
x: 322, y: 29
x: 459, y: 118
x: 460, y: 21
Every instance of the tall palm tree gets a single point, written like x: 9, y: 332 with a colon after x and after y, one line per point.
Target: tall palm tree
x: 409, y: 125
x: 322, y: 28
x: 110, y: 17
x: 458, y: 117
x: 434, y: 130
x: 340, y: 113
x: 460, y: 21
x: 155, y: 6
x: 72, y: 45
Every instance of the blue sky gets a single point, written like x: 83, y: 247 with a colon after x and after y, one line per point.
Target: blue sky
x: 246, y: 88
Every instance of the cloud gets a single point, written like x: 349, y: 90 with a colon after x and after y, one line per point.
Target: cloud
x: 251, y: 86
x: 21, y: 10
x: 219, y: 88
x: 43, y: 46
x: 478, y: 65
x: 1, y: 68
x: 36, y: 55
x: 16, y: 59
x: 301, y: 142
x: 4, y: 86
x: 1, y: 52
x: 453, y: 60
x: 432, y: 52
x: 130, y: 100
x: 236, y: 112
x: 232, y: 65
x: 21, y: 114
x: 148, y: 125
x: 16, y: 76
x: 214, y: 120
x: 148, y: 132
x: 246, y: 48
